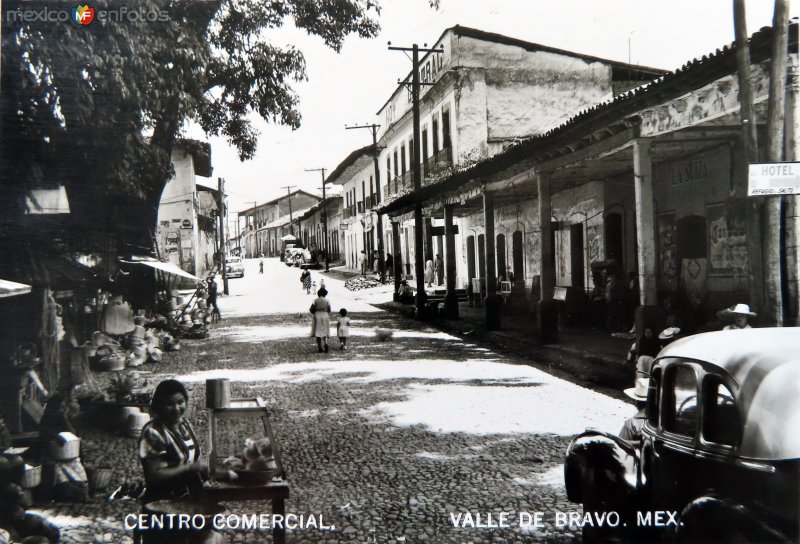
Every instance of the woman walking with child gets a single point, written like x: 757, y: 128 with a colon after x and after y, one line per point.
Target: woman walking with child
x: 320, y: 321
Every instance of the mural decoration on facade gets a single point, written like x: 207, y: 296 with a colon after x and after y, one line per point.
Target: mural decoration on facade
x: 727, y: 243
x: 693, y: 279
x: 668, y: 265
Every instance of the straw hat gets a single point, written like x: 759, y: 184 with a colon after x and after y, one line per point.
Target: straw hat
x: 670, y: 333
x: 741, y: 309
x: 639, y: 392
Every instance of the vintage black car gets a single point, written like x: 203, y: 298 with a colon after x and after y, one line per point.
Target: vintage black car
x: 719, y: 458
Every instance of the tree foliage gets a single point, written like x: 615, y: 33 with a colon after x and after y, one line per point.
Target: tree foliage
x: 100, y: 107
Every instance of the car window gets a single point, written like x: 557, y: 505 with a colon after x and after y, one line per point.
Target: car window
x: 721, y: 421
x: 682, y: 404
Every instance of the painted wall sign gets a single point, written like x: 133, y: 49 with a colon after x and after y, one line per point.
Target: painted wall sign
x: 688, y: 171
x: 777, y: 178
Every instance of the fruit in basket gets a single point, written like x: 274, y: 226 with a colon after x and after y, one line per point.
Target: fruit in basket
x: 233, y: 463
x: 258, y: 455
x: 264, y: 447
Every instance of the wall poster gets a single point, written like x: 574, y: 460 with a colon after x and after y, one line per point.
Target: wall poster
x: 727, y: 240
x: 667, y: 257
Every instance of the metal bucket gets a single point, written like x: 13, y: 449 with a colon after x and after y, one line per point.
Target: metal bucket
x: 218, y: 393
x: 136, y: 423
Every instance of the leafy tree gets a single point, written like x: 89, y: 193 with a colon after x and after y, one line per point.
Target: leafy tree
x: 100, y: 107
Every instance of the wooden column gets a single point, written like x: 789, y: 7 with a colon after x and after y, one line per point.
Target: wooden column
x: 547, y: 322
x: 428, y: 239
x: 398, y: 266
x: 548, y: 272
x: 492, y: 303
x: 645, y: 222
x: 450, y: 299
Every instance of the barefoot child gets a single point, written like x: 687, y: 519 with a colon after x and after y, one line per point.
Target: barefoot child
x: 343, y: 328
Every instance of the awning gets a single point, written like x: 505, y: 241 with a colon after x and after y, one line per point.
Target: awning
x: 12, y: 288
x: 169, y: 268
x: 288, y: 238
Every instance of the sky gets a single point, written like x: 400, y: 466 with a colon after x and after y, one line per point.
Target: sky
x: 348, y: 88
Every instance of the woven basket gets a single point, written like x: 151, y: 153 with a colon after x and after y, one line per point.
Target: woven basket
x: 109, y: 363
x: 101, y: 477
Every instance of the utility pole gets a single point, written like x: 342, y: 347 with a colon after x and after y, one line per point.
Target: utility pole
x: 374, y: 128
x: 324, y: 215
x: 421, y: 297
x: 289, y: 192
x: 238, y: 234
x: 774, y: 246
x: 754, y: 206
x: 223, y: 241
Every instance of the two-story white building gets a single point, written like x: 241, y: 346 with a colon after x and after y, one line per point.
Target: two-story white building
x: 187, y: 212
x: 481, y: 93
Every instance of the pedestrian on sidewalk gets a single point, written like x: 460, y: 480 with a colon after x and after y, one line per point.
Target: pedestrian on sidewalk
x: 429, y: 273
x: 362, y: 263
x: 320, y: 320
x: 343, y: 328
x: 389, y: 266
x: 305, y: 279
x: 438, y: 269
x: 261, y: 266
x: 212, y: 296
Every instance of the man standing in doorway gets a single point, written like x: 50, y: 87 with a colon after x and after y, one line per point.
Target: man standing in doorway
x: 438, y: 269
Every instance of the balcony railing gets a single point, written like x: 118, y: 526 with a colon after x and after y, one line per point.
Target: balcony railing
x: 439, y: 161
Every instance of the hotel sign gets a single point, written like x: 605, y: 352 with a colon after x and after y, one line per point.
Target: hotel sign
x: 776, y: 178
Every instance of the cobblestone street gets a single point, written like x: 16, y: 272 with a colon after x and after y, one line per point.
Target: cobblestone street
x: 387, y: 442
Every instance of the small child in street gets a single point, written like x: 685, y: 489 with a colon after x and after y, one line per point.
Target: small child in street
x: 343, y: 328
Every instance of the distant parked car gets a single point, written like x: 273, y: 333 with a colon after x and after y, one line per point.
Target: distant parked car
x: 296, y: 256
x: 719, y: 459
x: 234, y: 267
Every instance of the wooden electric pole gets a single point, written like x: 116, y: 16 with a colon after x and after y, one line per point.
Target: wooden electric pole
x: 775, y: 261
x: 223, y: 240
x: 416, y: 170
x: 324, y: 215
x: 753, y: 210
x: 289, y: 192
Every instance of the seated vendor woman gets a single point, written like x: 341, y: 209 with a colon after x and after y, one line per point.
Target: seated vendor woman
x: 168, y: 447
x: 170, y: 456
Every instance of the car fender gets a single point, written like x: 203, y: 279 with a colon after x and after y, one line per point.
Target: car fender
x: 714, y: 520
x: 603, y: 462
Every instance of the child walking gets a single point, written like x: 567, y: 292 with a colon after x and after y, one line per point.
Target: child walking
x: 343, y: 328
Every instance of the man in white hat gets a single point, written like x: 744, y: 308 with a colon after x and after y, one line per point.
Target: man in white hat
x: 740, y: 313
x: 632, y: 429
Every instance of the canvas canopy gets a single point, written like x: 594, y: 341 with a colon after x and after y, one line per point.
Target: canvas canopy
x: 12, y: 288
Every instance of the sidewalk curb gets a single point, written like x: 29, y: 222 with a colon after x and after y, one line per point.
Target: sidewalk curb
x: 596, y: 368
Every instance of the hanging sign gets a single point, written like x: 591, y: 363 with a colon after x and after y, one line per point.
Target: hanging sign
x: 775, y: 178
